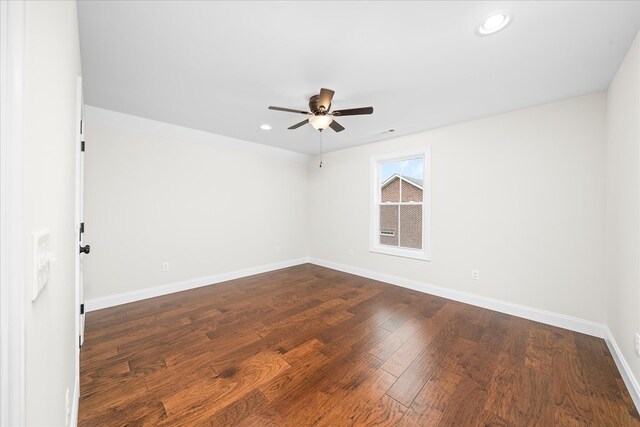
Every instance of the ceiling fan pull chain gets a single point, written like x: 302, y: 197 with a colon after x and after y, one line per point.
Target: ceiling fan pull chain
x: 321, y: 152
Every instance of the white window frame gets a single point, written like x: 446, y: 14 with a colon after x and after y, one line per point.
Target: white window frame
x: 374, y: 235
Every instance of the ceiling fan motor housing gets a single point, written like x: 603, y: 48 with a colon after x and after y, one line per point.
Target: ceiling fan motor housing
x: 314, y: 106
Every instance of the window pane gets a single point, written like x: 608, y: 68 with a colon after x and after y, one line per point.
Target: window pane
x: 411, y: 191
x: 411, y: 226
x: 389, y: 225
x: 390, y: 182
x: 412, y: 172
x: 413, y: 168
x: 388, y: 169
x: 390, y: 192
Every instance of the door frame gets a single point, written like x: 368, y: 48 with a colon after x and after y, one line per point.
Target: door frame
x: 12, y: 245
x: 79, y: 317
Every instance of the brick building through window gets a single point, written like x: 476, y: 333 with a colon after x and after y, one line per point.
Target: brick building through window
x: 400, y: 220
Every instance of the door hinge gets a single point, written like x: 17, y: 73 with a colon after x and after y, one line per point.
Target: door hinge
x: 82, y: 145
x: 81, y: 308
x: 79, y: 341
x: 80, y: 127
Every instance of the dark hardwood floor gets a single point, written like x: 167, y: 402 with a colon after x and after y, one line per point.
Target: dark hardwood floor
x: 311, y: 346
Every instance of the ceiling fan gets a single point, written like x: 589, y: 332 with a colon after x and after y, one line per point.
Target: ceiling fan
x: 321, y: 116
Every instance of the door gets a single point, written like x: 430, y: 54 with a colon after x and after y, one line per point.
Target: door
x: 83, y: 249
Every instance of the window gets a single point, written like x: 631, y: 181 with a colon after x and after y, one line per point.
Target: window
x: 400, y: 205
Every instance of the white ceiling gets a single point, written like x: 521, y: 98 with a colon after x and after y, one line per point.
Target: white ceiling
x: 217, y: 66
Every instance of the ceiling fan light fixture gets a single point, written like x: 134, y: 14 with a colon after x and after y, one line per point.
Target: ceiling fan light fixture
x: 320, y: 122
x: 265, y: 127
x: 493, y: 23
x: 319, y: 115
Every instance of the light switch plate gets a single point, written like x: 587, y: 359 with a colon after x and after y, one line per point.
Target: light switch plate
x: 41, y: 261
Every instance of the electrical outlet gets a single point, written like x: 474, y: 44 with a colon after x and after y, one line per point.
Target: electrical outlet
x: 350, y: 252
x: 475, y: 274
x: 637, y: 344
x: 278, y: 250
x: 165, y: 266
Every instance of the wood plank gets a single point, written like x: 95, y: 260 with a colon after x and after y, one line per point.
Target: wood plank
x: 346, y: 403
x: 142, y: 411
x: 487, y: 419
x: 115, y: 398
x: 238, y: 411
x: 597, y: 370
x: 418, y: 373
x: 418, y: 342
x: 521, y: 397
x: 569, y: 389
x: 610, y: 411
x: 313, y: 391
x: 514, y: 346
x: 389, y: 346
x: 334, y: 317
x: 170, y: 380
x: 539, y: 352
x: 387, y: 412
x: 203, y: 399
x: 301, y: 367
x: 496, y: 332
x: 565, y: 418
x: 469, y: 359
x: 467, y: 414
x: 429, y: 405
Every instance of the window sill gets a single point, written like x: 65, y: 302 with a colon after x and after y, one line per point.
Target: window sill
x: 404, y: 253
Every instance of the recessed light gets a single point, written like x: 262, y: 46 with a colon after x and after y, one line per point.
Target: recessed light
x: 493, y: 23
x: 265, y: 127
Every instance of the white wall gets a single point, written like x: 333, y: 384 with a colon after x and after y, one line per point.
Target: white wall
x: 207, y: 204
x: 52, y: 67
x: 623, y: 206
x: 519, y: 196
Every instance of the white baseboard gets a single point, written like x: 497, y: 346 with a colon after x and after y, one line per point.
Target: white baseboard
x: 127, y: 297
x: 625, y: 371
x: 555, y: 319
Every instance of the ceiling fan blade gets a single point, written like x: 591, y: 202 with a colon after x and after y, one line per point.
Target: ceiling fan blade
x: 353, y: 112
x: 297, y: 125
x: 289, y: 110
x: 336, y: 126
x: 326, y: 95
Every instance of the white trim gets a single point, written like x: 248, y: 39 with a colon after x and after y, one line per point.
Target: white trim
x: 79, y: 326
x: 101, y: 117
x: 423, y: 254
x: 124, y: 298
x: 76, y: 403
x: 12, y: 267
x: 555, y: 319
x: 625, y: 371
